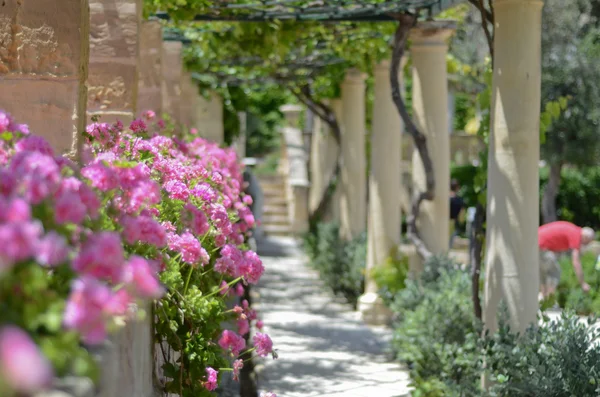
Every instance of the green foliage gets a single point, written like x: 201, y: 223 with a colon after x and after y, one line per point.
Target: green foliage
x: 437, y: 335
x: 390, y: 276
x: 558, y: 359
x: 571, y: 60
x: 439, y: 338
x: 341, y: 264
x: 569, y: 293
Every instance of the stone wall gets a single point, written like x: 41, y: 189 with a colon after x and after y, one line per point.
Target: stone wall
x: 43, y: 67
x: 150, y: 72
x: 114, y: 50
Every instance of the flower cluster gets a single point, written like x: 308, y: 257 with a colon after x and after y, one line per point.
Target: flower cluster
x: 145, y: 217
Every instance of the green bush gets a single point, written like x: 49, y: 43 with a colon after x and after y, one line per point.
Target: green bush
x: 341, y: 264
x: 390, y: 276
x: 437, y: 333
x: 558, y: 359
x: 440, y: 340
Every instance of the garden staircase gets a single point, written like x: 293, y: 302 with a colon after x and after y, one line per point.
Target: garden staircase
x: 275, y: 217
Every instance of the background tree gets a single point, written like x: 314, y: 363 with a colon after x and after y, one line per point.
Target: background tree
x: 571, y: 69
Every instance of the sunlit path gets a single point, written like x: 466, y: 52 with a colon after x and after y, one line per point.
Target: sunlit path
x: 324, y: 348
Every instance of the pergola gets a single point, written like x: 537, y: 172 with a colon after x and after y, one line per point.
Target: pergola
x: 512, y: 213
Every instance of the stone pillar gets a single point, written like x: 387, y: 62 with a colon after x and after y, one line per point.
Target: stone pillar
x: 209, y: 117
x: 150, y: 68
x: 44, y: 67
x: 353, y: 192
x: 384, y: 218
x: 297, y: 177
x: 189, y: 95
x: 513, y: 176
x: 430, y: 109
x: 171, y: 82
x: 240, y: 142
x: 114, y: 53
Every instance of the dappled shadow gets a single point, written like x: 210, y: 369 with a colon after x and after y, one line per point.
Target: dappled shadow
x: 324, y: 348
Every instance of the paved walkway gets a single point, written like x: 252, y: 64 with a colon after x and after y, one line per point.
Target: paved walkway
x: 324, y: 348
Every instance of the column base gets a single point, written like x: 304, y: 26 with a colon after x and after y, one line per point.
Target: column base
x: 372, y: 309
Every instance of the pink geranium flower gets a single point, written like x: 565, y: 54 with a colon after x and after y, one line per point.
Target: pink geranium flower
x: 263, y: 344
x: 230, y: 341
x: 22, y: 365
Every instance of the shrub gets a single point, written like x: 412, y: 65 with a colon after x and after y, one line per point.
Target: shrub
x: 438, y: 337
x: 559, y: 359
x: 390, y: 276
x: 341, y: 264
x: 437, y: 333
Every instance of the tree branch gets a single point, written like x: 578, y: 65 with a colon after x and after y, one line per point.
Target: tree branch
x: 406, y: 22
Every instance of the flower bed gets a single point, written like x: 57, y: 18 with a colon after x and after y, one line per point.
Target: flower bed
x: 145, y: 217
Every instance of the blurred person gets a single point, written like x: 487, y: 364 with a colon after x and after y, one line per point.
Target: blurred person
x: 555, y: 238
x: 457, y: 209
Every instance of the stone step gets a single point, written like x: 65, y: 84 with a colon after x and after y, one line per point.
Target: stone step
x: 270, y: 209
x: 276, y: 193
x: 275, y: 201
x: 275, y: 219
x: 277, y: 230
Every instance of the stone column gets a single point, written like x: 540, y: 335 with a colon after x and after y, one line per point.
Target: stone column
x: 150, y: 81
x: 114, y: 53
x: 324, y: 151
x: 297, y: 177
x: 430, y: 109
x: 44, y: 67
x: 189, y: 95
x: 384, y: 218
x: 171, y: 82
x: 209, y: 117
x: 511, y: 262
x: 353, y: 192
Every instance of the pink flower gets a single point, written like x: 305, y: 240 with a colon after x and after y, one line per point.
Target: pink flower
x: 239, y: 289
x: 190, y: 249
x: 251, y: 268
x: 34, y: 144
x: 88, y: 307
x: 223, y: 288
x: 259, y: 325
x: 194, y: 131
x: 143, y: 278
x: 52, y: 249
x: 230, y: 341
x: 199, y: 222
x: 22, y: 365
x: 14, y: 210
x: 69, y: 209
x: 138, y: 126
x: 211, y: 382
x: 230, y: 258
x: 243, y: 327
x: 161, y: 124
x: 149, y: 115
x: 268, y: 394
x: 102, y: 256
x: 145, y: 229
x: 237, y: 366
x: 263, y: 344
x: 18, y: 241
x: 177, y: 190
x: 101, y: 177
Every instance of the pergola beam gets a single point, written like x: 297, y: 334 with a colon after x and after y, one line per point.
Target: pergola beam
x: 326, y: 11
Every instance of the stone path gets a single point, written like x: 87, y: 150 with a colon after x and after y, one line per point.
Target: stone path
x: 324, y: 348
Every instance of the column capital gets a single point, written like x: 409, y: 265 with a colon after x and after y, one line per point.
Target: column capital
x: 291, y: 114
x: 354, y: 76
x: 432, y: 33
x: 536, y: 3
